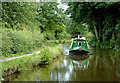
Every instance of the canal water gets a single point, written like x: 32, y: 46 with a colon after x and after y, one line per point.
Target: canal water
x: 99, y: 65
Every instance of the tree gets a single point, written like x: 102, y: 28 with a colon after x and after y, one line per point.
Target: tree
x: 101, y: 17
x: 51, y: 18
x: 18, y: 14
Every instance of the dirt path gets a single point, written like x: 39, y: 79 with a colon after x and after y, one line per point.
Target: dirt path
x: 9, y: 59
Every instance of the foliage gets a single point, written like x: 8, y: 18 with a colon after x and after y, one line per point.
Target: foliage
x: 46, y: 54
x: 23, y: 64
x: 97, y: 44
x: 7, y: 44
x: 73, y: 28
x: 59, y: 41
x: 44, y: 17
x: 20, y: 41
x: 112, y: 43
x: 67, y: 36
x: 48, y: 35
x: 27, y: 25
x: 102, y: 19
x: 51, y: 19
x: 15, y: 15
x: 37, y: 38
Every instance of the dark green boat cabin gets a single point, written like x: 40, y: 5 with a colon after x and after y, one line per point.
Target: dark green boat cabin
x: 78, y: 46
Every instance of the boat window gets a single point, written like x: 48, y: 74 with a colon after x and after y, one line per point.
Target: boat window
x: 79, y: 43
x: 74, y: 41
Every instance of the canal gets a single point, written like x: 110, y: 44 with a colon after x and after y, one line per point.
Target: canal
x: 99, y: 65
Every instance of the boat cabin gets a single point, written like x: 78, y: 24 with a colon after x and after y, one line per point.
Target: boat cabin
x: 79, y: 45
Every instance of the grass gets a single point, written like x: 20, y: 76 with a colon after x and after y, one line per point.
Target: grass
x: 19, y: 54
x: 59, y: 41
x: 51, y: 44
x: 47, y: 53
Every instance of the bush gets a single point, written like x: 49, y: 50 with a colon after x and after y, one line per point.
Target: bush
x: 23, y: 40
x: 14, y: 41
x: 67, y: 36
x: 97, y: 44
x: 60, y: 41
x: 64, y: 41
x: 48, y: 36
x: 7, y: 44
x: 104, y: 44
x: 55, y: 41
x: 64, y: 35
x: 46, y: 54
x: 112, y: 43
x: 38, y: 38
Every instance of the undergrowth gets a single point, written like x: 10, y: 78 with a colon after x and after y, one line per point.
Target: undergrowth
x: 47, y: 53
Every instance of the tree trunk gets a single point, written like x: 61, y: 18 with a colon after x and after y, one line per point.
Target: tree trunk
x: 95, y: 28
x: 96, y: 33
x: 100, y: 34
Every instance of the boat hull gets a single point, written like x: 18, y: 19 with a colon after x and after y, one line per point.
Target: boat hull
x: 78, y: 52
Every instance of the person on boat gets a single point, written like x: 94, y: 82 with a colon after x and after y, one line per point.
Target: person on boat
x: 83, y: 37
x: 79, y: 35
x: 73, y: 38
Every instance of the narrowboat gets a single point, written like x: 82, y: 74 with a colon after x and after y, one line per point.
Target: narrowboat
x: 79, y: 46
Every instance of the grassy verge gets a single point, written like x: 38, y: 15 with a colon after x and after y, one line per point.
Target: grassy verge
x: 48, y: 44
x: 47, y: 53
x: 59, y: 41
x: 19, y: 54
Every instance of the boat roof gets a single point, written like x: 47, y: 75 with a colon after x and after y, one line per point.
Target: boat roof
x: 78, y: 39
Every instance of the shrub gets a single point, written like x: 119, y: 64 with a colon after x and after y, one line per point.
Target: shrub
x: 97, y: 44
x: 46, y: 54
x: 48, y: 36
x: 7, y: 44
x: 60, y: 41
x: 112, y: 43
x: 55, y: 41
x: 64, y: 41
x: 14, y: 41
x: 23, y: 41
x: 104, y: 44
x: 67, y: 36
x: 37, y: 38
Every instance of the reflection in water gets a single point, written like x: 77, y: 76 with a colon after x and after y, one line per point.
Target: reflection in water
x: 66, y: 49
x: 102, y: 65
x: 65, y: 62
x: 79, y: 62
x: 38, y: 80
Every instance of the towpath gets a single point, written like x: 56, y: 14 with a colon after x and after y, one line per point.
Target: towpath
x: 9, y: 59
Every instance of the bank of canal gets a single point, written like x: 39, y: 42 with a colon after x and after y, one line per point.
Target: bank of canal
x: 99, y: 65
